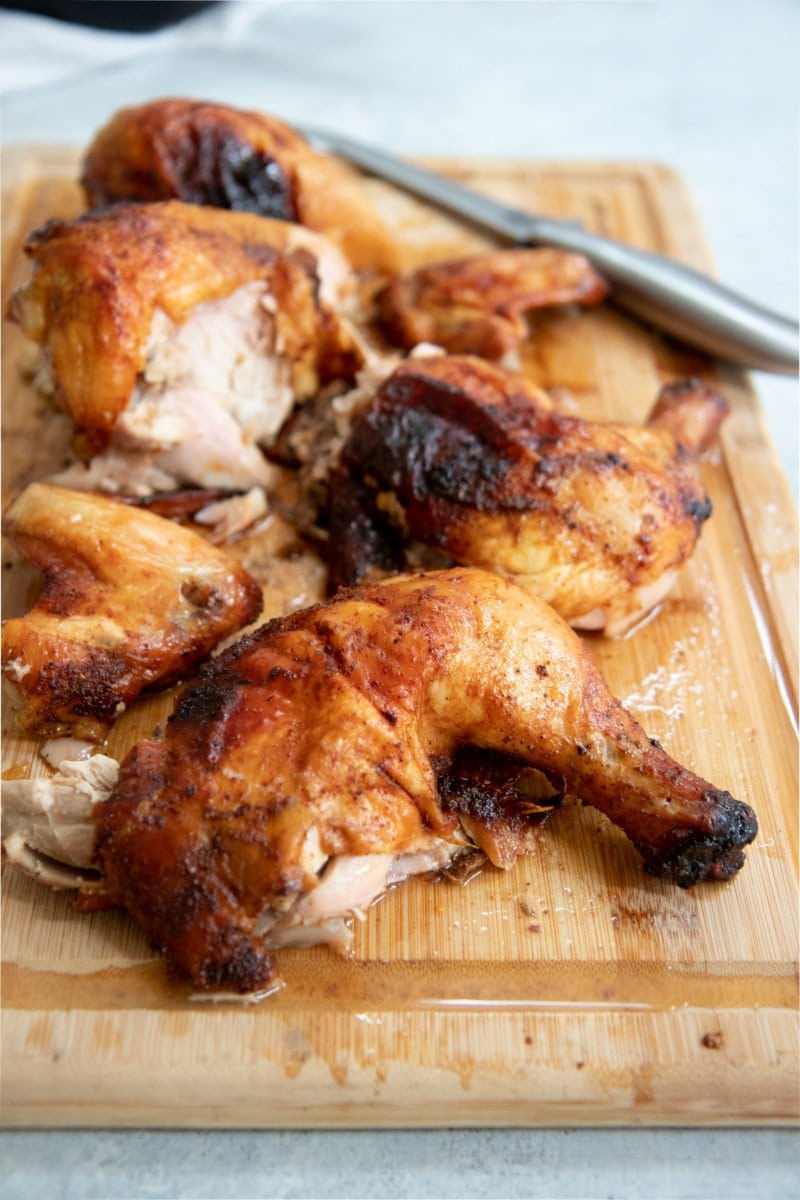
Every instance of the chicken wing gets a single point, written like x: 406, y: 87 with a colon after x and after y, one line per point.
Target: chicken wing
x: 178, y: 338
x: 478, y: 305
x: 316, y: 758
x: 212, y: 154
x: 473, y: 461
x: 129, y: 600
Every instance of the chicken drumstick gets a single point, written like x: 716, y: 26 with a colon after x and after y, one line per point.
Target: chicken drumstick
x: 333, y: 737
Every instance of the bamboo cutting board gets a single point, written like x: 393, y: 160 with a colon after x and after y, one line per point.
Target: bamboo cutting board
x: 572, y: 990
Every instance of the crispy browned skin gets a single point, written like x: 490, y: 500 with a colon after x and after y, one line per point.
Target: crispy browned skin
x: 129, y: 600
x: 98, y: 281
x: 478, y: 305
x: 336, y: 722
x: 212, y: 154
x: 473, y: 461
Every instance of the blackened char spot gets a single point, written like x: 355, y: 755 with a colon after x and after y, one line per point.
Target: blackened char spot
x: 460, y: 442
x: 485, y: 785
x: 717, y: 856
x: 361, y: 539
x: 421, y: 454
x: 208, y: 700
x: 235, y: 963
x: 220, y: 170
x: 698, y: 508
x: 464, y: 401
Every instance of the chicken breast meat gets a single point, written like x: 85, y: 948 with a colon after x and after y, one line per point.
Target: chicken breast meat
x: 178, y: 338
x: 475, y: 463
x: 130, y: 600
x: 213, y: 154
x: 337, y: 750
x: 480, y: 304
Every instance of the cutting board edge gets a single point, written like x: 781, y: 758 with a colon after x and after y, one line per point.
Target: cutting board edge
x: 496, y: 1111
x: 696, y: 1066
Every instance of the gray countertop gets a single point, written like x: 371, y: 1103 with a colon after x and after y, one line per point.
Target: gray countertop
x: 552, y: 1164
x: 709, y: 88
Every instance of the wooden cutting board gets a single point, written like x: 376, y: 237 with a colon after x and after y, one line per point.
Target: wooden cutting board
x: 571, y: 990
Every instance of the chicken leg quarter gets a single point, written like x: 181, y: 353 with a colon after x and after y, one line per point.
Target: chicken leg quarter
x: 327, y: 734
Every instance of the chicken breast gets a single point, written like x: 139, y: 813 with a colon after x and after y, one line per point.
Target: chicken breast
x: 129, y: 600
x: 318, y: 753
x: 213, y: 154
x: 178, y: 338
x: 475, y: 463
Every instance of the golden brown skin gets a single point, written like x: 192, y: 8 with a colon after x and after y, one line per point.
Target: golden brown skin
x: 478, y: 305
x: 473, y: 461
x: 212, y: 154
x: 338, y: 722
x: 98, y: 281
x: 129, y: 600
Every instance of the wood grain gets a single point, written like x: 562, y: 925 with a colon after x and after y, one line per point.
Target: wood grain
x: 571, y: 990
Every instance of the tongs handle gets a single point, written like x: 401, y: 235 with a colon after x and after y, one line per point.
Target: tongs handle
x: 682, y: 301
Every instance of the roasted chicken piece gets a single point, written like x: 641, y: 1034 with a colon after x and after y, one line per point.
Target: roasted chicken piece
x: 474, y: 462
x: 129, y: 600
x: 338, y: 749
x: 212, y: 154
x: 478, y: 305
x: 178, y: 338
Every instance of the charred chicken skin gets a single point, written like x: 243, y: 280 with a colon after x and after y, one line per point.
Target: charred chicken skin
x: 474, y: 461
x: 337, y: 736
x: 180, y: 336
x: 212, y: 154
x: 478, y: 305
x: 129, y: 600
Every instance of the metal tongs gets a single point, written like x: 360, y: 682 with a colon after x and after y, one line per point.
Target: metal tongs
x: 669, y: 295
